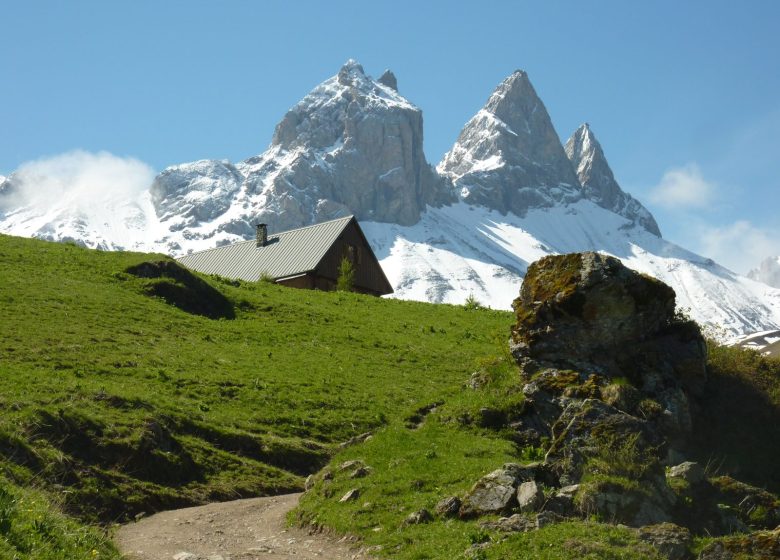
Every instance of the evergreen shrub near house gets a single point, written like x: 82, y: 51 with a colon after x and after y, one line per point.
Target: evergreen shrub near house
x: 346, y: 279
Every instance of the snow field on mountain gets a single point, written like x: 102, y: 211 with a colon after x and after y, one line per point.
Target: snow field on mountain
x: 462, y: 250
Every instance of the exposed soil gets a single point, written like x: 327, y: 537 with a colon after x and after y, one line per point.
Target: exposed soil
x: 249, y: 529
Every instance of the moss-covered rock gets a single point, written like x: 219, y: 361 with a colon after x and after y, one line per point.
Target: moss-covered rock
x: 671, y: 540
x: 583, y: 305
x: 762, y: 545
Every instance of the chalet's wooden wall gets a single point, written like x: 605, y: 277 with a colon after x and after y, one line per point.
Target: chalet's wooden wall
x: 305, y: 282
x: 368, y: 274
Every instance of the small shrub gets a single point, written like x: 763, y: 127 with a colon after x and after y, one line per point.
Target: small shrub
x: 346, y: 279
x: 472, y: 303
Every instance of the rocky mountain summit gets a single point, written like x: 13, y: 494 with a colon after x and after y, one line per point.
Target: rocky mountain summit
x: 508, y: 157
x: 353, y: 145
x: 767, y: 272
x: 598, y: 182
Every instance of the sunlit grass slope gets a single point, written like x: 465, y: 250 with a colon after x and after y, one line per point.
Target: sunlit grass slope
x: 122, y: 397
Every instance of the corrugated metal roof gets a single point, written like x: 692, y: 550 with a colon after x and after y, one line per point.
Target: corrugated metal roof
x: 288, y: 253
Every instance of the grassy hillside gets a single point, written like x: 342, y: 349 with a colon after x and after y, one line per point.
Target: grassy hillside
x: 130, y: 389
x: 129, y: 385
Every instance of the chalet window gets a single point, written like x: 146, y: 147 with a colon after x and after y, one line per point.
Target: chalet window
x: 353, y: 254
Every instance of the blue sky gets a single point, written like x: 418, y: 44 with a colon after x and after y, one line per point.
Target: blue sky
x: 684, y: 96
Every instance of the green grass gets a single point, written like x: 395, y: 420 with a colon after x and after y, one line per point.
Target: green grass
x: 412, y: 469
x: 31, y: 526
x: 121, y: 396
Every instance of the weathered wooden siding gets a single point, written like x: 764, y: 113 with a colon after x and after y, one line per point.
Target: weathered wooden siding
x: 369, y: 277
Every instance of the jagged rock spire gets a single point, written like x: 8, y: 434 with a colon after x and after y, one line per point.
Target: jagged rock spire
x: 598, y: 182
x: 508, y: 156
x: 389, y: 79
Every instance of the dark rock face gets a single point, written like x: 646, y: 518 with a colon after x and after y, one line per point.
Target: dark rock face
x: 598, y: 182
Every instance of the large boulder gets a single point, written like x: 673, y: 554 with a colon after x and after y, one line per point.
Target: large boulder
x: 580, y: 305
x: 588, y: 313
x: 671, y: 540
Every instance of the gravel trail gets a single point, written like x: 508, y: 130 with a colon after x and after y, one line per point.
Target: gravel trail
x: 252, y: 529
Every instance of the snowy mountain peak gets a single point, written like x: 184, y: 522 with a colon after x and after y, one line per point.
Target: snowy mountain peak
x: 767, y: 272
x: 508, y: 157
x: 515, y: 90
x: 352, y: 145
x: 322, y: 117
x: 351, y: 66
x: 598, y: 182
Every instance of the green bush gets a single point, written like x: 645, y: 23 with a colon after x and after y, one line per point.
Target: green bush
x: 346, y: 279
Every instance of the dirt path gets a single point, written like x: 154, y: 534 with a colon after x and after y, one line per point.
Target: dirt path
x: 241, y: 530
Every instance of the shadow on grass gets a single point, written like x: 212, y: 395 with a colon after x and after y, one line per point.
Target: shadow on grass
x: 737, y: 425
x: 181, y: 288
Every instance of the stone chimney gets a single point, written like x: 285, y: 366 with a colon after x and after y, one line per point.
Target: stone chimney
x: 262, y: 235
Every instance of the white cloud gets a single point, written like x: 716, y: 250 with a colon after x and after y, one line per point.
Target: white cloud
x: 739, y: 246
x: 78, y: 180
x: 683, y: 187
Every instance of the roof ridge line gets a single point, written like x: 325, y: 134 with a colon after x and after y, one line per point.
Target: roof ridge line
x: 269, y: 236
x: 313, y: 225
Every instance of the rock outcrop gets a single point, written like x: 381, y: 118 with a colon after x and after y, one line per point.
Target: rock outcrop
x: 589, y: 312
x: 611, y: 375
